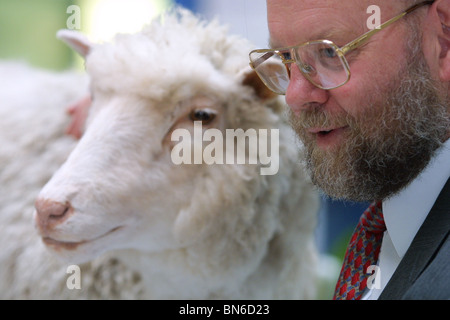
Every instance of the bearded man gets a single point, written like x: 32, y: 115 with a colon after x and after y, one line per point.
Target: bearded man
x: 371, y: 107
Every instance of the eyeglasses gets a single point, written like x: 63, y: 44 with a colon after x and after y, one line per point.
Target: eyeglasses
x: 322, y: 62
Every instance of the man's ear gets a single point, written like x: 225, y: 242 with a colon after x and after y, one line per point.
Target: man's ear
x: 442, y: 9
x: 76, y: 40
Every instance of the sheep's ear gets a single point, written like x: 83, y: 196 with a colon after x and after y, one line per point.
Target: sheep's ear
x: 251, y: 79
x: 76, y: 40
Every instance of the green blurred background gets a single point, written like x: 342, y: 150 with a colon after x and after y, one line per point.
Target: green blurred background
x: 28, y: 27
x: 27, y: 32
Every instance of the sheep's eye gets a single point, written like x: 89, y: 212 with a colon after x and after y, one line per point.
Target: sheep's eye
x: 203, y: 115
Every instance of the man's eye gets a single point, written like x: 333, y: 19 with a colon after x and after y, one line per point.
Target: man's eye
x: 286, y: 55
x: 328, y: 53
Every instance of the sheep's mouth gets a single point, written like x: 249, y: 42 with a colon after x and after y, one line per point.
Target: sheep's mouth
x: 62, y: 244
x: 72, y: 245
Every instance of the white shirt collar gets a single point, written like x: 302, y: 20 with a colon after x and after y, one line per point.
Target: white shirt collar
x: 405, y: 212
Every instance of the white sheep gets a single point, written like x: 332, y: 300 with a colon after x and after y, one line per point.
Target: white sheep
x: 138, y: 225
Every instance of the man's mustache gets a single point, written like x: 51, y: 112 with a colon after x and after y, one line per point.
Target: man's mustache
x: 316, y: 116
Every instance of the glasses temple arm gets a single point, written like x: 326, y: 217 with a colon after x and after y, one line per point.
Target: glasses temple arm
x: 363, y: 39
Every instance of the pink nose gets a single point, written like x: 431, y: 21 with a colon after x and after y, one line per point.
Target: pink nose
x: 50, y: 213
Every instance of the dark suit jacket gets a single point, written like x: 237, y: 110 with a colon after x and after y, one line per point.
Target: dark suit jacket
x: 424, y: 271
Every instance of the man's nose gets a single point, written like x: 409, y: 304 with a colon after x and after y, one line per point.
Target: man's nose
x: 301, y: 93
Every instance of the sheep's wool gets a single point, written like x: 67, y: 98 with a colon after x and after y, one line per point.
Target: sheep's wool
x: 144, y: 227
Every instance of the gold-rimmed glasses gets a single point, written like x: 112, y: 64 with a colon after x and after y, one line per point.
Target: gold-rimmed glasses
x: 322, y: 62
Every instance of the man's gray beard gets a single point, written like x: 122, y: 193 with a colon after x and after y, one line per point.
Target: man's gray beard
x: 385, y: 148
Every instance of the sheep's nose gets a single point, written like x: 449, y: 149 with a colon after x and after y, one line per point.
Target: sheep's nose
x: 50, y: 213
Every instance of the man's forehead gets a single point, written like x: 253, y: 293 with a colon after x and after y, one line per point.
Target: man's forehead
x: 341, y: 9
x: 336, y: 3
x: 295, y: 21
x: 337, y: 35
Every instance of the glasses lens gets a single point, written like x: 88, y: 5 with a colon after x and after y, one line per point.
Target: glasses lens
x: 271, y: 70
x: 321, y: 64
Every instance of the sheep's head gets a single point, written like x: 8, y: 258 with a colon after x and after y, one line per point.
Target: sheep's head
x: 121, y: 188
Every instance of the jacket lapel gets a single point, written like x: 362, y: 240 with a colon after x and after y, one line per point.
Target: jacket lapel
x: 429, y: 239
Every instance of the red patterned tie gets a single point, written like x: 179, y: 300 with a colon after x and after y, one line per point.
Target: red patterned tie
x: 362, y: 252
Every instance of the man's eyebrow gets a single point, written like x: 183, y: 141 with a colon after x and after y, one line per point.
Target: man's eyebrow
x: 272, y: 45
x: 335, y: 35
